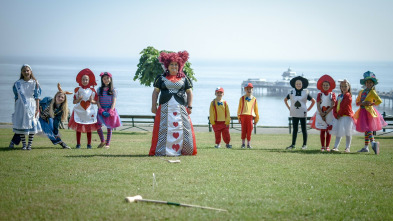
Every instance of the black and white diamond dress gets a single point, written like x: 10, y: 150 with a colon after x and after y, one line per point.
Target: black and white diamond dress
x: 173, y: 133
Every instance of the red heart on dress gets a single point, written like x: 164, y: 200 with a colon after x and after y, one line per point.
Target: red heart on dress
x: 176, y: 147
x: 175, y: 113
x: 176, y: 135
x: 325, y: 108
x: 85, y: 104
x: 175, y: 124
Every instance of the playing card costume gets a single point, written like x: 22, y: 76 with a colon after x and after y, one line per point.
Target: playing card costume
x: 325, y: 100
x: 84, y: 114
x: 173, y: 133
x: 298, y: 109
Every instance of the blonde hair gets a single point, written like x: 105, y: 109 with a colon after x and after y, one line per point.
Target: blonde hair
x: 345, y: 81
x: 64, y: 107
x: 32, y: 75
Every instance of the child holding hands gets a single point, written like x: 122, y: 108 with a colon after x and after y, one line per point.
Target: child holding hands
x: 107, y: 114
x: 220, y: 118
x: 343, y: 124
x: 83, y: 118
x: 323, y: 117
x: 247, y: 112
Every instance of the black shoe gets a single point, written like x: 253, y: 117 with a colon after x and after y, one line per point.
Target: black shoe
x: 243, y: 146
x: 249, y: 146
x: 229, y: 146
x: 290, y: 147
x: 64, y: 145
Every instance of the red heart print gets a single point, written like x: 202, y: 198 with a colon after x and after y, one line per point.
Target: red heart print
x: 85, y: 104
x: 176, y: 147
x: 176, y: 135
x: 175, y: 113
x: 175, y: 124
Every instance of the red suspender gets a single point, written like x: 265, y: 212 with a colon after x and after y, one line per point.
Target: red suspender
x: 252, y: 107
x: 242, y: 105
x: 215, y: 110
x: 225, y: 109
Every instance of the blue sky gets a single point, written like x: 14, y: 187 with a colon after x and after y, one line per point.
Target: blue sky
x: 352, y: 30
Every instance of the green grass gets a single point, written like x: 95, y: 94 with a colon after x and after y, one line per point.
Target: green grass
x: 267, y: 182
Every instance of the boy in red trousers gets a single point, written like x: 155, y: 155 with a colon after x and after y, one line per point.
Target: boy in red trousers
x: 220, y: 118
x: 246, y: 113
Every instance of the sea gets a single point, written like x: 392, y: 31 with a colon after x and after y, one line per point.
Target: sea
x: 135, y: 99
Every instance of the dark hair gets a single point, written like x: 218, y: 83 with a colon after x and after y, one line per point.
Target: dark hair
x: 101, y: 89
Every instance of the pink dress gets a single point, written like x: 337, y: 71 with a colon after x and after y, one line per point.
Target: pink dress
x: 368, y: 118
x: 106, y: 100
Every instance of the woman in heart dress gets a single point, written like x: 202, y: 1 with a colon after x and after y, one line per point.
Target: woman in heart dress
x: 173, y: 133
x: 84, y: 115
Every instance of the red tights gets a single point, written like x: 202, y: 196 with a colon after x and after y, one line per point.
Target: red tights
x: 327, y: 138
x: 78, y: 138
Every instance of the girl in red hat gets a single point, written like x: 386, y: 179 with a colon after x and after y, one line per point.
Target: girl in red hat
x: 323, y: 117
x: 173, y: 133
x: 247, y: 111
x: 84, y: 115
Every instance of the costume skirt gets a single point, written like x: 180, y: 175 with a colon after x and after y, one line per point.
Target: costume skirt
x: 173, y: 133
x: 83, y: 128
x: 366, y: 122
x: 345, y: 126
x: 110, y: 122
x: 318, y: 123
x: 47, y: 129
x: 35, y: 128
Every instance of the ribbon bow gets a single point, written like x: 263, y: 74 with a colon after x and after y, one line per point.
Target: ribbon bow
x: 105, y: 73
x: 248, y: 99
x: 219, y: 103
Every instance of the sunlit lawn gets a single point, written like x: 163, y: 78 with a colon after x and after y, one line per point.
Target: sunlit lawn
x: 266, y: 182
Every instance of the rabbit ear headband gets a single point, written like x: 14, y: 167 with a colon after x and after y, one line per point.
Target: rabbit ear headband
x: 61, y: 90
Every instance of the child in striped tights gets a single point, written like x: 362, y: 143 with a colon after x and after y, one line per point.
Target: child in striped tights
x: 107, y: 113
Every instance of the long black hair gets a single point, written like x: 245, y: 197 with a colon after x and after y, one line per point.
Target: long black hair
x: 101, y: 89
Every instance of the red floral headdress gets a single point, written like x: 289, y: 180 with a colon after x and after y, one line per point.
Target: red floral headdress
x: 92, y: 78
x: 180, y: 57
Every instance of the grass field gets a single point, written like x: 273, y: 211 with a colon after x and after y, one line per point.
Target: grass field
x: 264, y: 183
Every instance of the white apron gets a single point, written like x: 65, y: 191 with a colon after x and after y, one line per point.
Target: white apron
x: 84, y: 111
x: 23, y: 119
x: 326, y: 102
